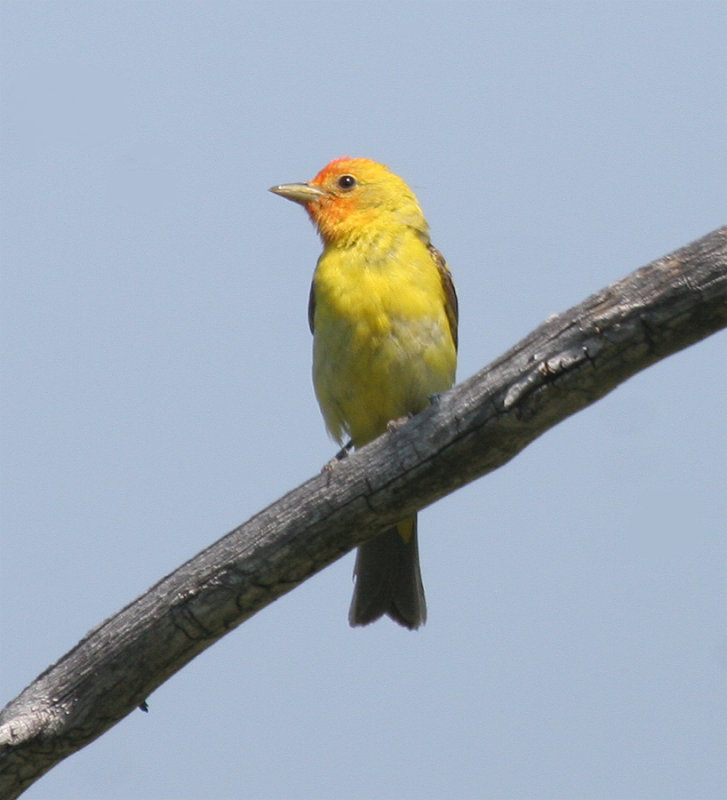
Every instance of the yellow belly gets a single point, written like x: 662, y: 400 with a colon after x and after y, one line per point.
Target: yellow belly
x: 382, y: 342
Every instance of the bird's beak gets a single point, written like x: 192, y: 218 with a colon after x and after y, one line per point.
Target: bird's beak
x: 298, y: 192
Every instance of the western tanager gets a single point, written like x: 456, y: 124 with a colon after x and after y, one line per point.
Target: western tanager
x: 383, y: 312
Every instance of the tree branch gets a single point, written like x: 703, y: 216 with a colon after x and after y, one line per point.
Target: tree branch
x: 567, y: 363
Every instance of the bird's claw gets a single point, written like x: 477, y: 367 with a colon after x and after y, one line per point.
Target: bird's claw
x: 340, y: 455
x: 393, y: 425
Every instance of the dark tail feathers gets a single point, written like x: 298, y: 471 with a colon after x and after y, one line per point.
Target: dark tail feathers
x: 389, y: 581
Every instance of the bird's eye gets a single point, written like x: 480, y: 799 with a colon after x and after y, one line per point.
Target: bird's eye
x: 346, y: 182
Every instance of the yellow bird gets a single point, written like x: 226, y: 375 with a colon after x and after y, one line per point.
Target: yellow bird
x: 383, y: 313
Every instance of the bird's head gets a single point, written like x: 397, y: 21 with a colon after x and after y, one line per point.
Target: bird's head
x: 353, y: 198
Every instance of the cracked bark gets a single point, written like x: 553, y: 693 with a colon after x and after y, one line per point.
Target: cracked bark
x: 567, y: 363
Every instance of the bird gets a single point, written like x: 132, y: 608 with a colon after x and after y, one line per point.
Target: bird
x: 383, y: 312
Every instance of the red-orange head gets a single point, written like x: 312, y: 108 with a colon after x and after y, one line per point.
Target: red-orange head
x: 355, y: 198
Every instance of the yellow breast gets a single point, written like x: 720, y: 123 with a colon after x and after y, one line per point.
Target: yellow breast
x: 382, y: 340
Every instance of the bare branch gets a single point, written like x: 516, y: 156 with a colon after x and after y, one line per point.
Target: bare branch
x: 569, y: 362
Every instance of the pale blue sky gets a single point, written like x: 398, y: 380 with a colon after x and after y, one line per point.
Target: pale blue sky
x: 156, y: 388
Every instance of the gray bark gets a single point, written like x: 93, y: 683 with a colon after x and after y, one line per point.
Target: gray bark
x: 567, y: 363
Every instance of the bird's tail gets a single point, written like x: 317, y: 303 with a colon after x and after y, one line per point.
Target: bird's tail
x: 388, y: 578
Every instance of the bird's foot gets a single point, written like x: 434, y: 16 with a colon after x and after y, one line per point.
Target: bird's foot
x: 393, y: 425
x: 340, y: 455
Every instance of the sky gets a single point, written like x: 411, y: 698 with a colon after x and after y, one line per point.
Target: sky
x: 156, y: 388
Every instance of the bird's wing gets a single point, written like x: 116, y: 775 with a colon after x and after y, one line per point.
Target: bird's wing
x: 451, y: 307
x: 311, y: 307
